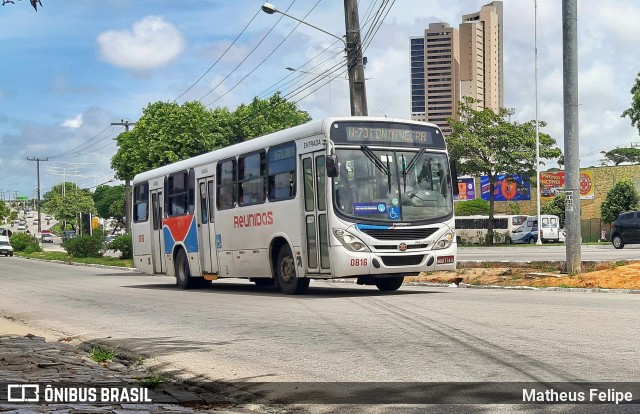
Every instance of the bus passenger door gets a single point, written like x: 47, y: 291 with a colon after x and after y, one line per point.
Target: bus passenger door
x: 315, y: 213
x: 157, y: 234
x: 206, y: 225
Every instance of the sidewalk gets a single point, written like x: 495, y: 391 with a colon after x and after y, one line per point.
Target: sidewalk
x: 30, y: 359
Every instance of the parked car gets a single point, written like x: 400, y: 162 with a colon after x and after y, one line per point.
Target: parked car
x: 22, y: 227
x: 47, y: 217
x: 5, y: 246
x: 46, y: 236
x: 524, y: 234
x: 626, y: 229
x: 68, y: 234
x: 35, y: 222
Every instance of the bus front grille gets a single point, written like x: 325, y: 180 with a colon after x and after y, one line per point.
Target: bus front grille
x: 399, y: 233
x: 406, y: 260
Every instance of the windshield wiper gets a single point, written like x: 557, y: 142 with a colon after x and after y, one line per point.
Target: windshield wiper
x: 408, y: 168
x: 378, y: 164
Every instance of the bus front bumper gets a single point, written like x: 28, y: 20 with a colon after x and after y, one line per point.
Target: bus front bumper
x: 346, y: 263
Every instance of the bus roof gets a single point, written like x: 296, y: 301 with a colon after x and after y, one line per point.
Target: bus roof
x: 301, y: 131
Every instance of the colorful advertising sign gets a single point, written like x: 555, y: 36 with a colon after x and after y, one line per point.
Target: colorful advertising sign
x: 552, y: 183
x: 466, y: 189
x: 506, y: 188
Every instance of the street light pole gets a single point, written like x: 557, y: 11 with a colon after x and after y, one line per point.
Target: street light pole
x: 353, y: 48
x: 535, y: 47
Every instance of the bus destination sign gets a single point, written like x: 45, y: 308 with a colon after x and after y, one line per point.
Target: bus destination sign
x: 387, y: 134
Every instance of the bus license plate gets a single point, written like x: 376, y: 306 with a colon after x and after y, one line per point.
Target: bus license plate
x: 445, y: 259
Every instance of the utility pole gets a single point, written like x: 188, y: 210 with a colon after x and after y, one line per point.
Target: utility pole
x: 355, y: 64
x: 571, y: 136
x: 37, y: 160
x: 127, y: 183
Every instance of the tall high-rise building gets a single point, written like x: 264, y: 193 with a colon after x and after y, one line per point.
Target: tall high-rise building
x: 447, y: 64
x: 434, y: 75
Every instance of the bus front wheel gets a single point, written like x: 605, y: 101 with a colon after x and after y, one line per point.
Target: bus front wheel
x: 183, y: 273
x: 389, y: 284
x: 288, y: 281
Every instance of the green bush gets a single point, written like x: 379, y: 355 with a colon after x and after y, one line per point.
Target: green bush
x: 85, y: 246
x: 23, y: 242
x: 124, y: 245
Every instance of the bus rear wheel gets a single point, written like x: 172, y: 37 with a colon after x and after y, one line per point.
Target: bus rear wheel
x: 288, y: 281
x: 389, y: 284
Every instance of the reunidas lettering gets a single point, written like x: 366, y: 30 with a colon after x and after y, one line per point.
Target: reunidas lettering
x: 253, y: 220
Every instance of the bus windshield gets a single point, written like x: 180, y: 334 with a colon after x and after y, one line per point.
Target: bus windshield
x: 392, y: 185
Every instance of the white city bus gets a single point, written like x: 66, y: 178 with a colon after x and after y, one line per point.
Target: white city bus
x: 473, y: 229
x: 353, y: 197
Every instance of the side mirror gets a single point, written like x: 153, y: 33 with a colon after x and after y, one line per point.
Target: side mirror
x: 454, y: 176
x: 332, y: 166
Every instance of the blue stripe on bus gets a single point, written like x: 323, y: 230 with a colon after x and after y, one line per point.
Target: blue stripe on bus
x: 371, y: 227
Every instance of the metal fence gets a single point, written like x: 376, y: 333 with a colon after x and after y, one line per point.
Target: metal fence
x: 594, y: 230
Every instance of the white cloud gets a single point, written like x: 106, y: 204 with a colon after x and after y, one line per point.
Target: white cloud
x: 74, y: 122
x: 151, y: 42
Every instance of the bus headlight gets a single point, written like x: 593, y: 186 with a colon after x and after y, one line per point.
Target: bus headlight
x: 444, y: 241
x: 349, y: 241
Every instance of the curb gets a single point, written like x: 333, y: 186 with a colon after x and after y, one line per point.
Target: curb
x: 81, y: 264
x: 428, y: 284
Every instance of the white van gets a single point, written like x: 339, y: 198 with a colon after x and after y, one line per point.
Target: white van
x: 550, y: 229
x: 5, y: 246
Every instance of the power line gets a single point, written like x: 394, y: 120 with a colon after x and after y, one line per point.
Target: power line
x: 219, y: 58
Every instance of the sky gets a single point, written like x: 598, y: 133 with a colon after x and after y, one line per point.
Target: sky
x: 71, y: 69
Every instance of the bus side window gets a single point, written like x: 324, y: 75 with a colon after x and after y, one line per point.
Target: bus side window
x: 141, y: 202
x: 251, y: 179
x: 178, y: 194
x: 226, y: 184
x: 281, y: 169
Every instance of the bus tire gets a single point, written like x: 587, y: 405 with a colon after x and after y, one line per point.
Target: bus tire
x: 288, y: 281
x: 532, y: 241
x: 183, y: 272
x: 389, y: 284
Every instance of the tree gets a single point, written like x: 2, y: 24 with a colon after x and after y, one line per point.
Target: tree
x: 168, y: 132
x: 633, y: 112
x: 264, y: 116
x: 622, y: 197
x: 472, y: 207
x: 68, y: 207
x: 34, y: 3
x: 4, y: 211
x: 484, y: 142
x: 619, y: 155
x: 556, y: 207
x: 109, y: 201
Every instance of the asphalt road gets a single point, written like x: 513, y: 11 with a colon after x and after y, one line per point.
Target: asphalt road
x: 553, y: 252
x: 338, y: 332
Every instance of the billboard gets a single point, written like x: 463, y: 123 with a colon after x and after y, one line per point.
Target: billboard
x: 466, y: 189
x: 507, y: 187
x: 552, y: 183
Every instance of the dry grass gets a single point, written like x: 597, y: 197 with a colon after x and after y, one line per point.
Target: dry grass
x: 603, y: 275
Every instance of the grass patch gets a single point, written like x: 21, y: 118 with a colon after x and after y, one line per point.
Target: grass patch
x: 63, y: 256
x: 103, y: 353
x: 153, y: 381
x: 618, y: 263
